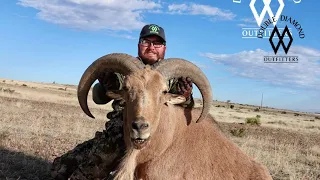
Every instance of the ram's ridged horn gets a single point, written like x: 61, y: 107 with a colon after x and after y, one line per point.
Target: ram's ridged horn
x: 175, y: 68
x: 116, y: 62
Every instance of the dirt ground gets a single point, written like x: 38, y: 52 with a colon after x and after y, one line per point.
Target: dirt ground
x: 40, y: 121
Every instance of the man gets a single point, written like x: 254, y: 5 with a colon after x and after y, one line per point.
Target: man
x: 151, y: 49
x: 98, y: 157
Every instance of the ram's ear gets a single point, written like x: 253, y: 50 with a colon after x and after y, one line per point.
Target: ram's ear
x: 116, y: 94
x: 175, y: 98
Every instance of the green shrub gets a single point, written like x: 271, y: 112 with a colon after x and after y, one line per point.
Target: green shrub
x: 253, y: 121
x: 8, y: 90
x: 296, y: 114
x: 238, y: 132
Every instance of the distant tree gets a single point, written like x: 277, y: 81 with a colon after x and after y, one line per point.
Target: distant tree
x: 228, y: 102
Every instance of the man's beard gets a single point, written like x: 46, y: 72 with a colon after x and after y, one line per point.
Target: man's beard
x: 146, y: 58
x: 146, y: 53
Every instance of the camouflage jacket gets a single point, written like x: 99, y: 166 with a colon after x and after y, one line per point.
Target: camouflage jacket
x: 115, y: 82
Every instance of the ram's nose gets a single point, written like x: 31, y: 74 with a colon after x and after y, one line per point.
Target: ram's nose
x: 140, y: 126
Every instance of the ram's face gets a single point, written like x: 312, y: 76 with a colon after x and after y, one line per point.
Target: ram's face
x: 145, y: 93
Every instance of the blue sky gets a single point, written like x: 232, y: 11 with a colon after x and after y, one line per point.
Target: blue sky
x: 55, y: 40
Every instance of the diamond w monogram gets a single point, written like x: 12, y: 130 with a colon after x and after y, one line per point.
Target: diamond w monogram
x: 266, y: 8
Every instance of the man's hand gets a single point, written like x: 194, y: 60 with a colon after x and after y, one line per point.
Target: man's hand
x: 109, y: 81
x: 185, y: 87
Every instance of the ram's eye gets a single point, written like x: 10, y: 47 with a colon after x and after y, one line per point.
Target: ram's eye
x: 125, y: 88
x: 164, y: 92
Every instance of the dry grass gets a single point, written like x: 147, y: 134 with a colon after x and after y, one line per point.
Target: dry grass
x: 42, y: 121
x: 287, y: 154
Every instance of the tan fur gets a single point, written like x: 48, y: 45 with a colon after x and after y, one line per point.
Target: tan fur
x: 178, y: 147
x: 127, y: 166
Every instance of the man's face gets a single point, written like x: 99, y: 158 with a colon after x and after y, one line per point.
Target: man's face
x: 150, y: 52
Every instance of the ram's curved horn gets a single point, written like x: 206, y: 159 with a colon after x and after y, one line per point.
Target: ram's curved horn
x: 175, y: 68
x: 117, y: 62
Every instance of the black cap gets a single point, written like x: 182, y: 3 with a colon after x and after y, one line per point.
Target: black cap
x: 152, y: 29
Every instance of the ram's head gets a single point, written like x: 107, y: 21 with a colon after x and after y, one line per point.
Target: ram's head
x: 145, y: 90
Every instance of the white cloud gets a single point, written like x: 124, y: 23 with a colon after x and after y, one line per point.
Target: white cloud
x: 93, y: 14
x: 178, y: 7
x: 199, y: 9
x: 250, y: 64
x: 249, y: 20
x: 156, y: 11
x: 292, y: 92
x: 242, y: 25
x: 114, y: 16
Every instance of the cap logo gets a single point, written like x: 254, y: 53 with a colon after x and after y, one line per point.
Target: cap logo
x: 154, y: 29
